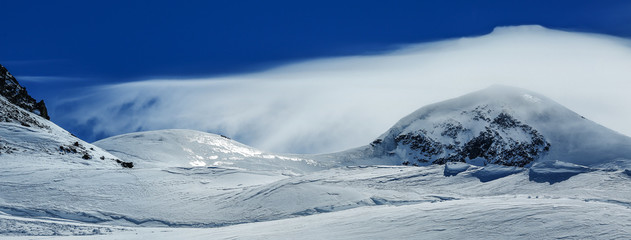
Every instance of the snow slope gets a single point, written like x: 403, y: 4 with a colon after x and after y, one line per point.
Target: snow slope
x: 30, y: 141
x: 189, y: 148
x: 403, y: 202
x: 489, y: 218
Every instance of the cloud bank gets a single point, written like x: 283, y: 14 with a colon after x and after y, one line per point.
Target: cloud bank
x: 333, y: 104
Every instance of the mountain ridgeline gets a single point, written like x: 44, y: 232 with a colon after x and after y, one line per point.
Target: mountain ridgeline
x: 498, y: 125
x: 26, y: 132
x: 16, y: 94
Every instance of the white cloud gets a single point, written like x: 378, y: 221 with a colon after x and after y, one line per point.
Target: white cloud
x: 336, y: 103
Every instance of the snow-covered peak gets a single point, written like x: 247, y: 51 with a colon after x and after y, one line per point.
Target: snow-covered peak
x: 500, y: 125
x: 497, y: 98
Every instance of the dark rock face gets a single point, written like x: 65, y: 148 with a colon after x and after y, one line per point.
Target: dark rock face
x: 125, y: 164
x: 503, y: 140
x: 16, y: 94
x: 425, y: 146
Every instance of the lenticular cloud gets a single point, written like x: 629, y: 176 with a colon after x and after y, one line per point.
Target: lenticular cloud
x: 333, y: 104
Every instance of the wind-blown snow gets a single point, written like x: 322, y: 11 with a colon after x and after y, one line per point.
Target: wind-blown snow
x: 333, y: 104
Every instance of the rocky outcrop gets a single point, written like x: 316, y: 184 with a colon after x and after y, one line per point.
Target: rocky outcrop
x: 479, y: 135
x: 504, y: 141
x: 12, y: 113
x: 16, y: 94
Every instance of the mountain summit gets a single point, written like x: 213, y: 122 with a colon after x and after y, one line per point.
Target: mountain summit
x: 498, y: 125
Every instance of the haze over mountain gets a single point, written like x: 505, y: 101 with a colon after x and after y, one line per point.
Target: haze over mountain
x: 502, y: 156
x: 332, y: 104
x: 499, y: 125
x: 318, y: 120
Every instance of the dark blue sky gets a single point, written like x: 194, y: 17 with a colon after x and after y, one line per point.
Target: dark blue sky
x: 70, y: 44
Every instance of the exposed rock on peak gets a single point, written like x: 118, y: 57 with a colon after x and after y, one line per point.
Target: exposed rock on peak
x: 480, y: 136
x: 16, y: 94
x: 497, y: 125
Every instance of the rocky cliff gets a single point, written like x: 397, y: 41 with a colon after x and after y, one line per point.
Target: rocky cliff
x: 16, y: 94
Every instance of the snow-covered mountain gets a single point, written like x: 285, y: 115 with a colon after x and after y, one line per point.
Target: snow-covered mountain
x: 500, y: 158
x: 29, y: 139
x: 498, y: 125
